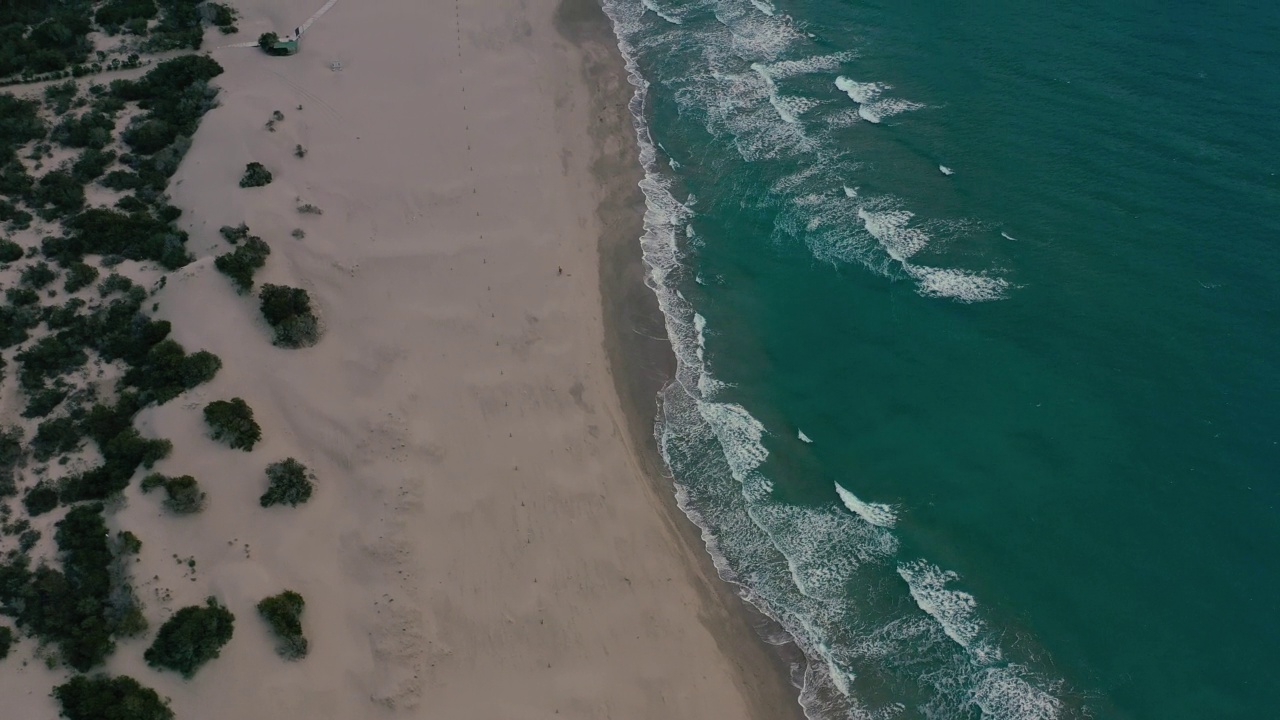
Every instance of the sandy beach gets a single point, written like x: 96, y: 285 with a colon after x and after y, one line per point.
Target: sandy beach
x: 491, y: 536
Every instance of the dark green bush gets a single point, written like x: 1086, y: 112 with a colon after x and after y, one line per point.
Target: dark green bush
x: 255, y: 175
x: 67, y: 607
x: 49, y: 357
x: 118, y: 12
x: 10, y: 251
x: 134, y: 236
x: 21, y: 296
x: 6, y: 641
x: 43, y: 402
x: 11, y: 456
x: 167, y: 370
x: 283, y: 613
x: 232, y: 235
x: 192, y: 637
x: 16, y: 321
x: 267, y: 40
x: 38, y: 275
x: 114, y: 283
x: 149, y: 136
x: 20, y: 121
x: 232, y: 421
x: 110, y: 698
x: 55, y: 437
x: 40, y: 499
x: 288, y: 311
x: 288, y: 483
x: 58, y: 96
x: 79, y: 276
x: 56, y: 194
x: 183, y: 494
x: 91, y: 130
x: 91, y: 164
x: 240, y: 264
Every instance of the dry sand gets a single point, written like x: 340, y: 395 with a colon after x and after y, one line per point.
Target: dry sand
x: 490, y: 537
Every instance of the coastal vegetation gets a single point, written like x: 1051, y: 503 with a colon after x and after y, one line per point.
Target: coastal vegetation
x: 83, y: 348
x: 288, y: 483
x: 288, y: 312
x: 241, y: 263
x: 182, y: 493
x: 255, y: 175
x: 192, y: 637
x: 283, y: 613
x: 100, y: 697
x: 231, y: 421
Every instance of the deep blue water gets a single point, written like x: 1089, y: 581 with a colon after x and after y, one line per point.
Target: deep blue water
x: 999, y: 443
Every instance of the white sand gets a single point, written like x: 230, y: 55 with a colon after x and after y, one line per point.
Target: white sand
x: 484, y: 541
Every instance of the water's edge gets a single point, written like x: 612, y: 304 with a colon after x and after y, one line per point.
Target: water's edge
x: 643, y: 363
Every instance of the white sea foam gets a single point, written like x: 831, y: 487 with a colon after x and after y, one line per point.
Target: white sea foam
x: 1007, y: 236
x: 764, y: 7
x: 877, y: 514
x: 946, y: 170
x: 1003, y: 694
x: 955, y: 610
x: 881, y: 109
x: 860, y: 92
x: 891, y: 228
x: 653, y: 7
x: 962, y: 285
x: 803, y: 438
x: 867, y: 94
x: 789, y: 108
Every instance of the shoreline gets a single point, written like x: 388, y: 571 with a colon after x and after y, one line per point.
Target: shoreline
x: 642, y: 361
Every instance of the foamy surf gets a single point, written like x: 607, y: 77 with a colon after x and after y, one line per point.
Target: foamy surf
x: 946, y: 170
x: 803, y: 438
x: 807, y: 567
x: 877, y: 514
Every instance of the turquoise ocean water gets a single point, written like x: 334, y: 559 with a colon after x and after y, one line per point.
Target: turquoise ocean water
x: 978, y: 329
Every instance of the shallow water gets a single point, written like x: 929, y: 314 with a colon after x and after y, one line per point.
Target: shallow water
x: 976, y: 324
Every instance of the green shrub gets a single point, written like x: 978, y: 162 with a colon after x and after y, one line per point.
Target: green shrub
x: 49, y: 357
x: 91, y: 130
x: 20, y: 121
x: 167, y: 370
x: 283, y: 613
x: 43, y: 402
x: 38, y: 275
x: 288, y: 311
x: 255, y: 175
x: 16, y: 321
x: 118, y: 12
x: 288, y: 483
x: 21, y: 296
x: 56, y: 194
x: 235, y: 234
x: 232, y: 421
x: 40, y: 499
x: 6, y: 641
x: 10, y: 251
x: 91, y: 164
x: 183, y: 494
x: 149, y: 136
x: 267, y: 40
x: 110, y: 698
x: 67, y: 607
x: 241, y: 264
x: 79, y: 276
x: 192, y: 637
x: 11, y: 456
x: 59, y: 96
x: 114, y: 283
